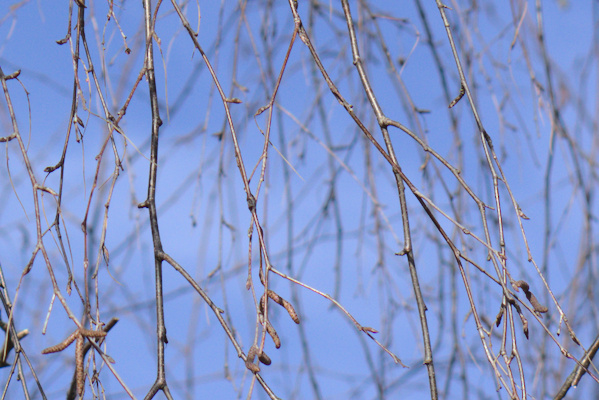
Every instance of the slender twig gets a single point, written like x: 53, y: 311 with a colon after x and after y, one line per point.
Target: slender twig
x: 574, y: 378
x: 150, y: 203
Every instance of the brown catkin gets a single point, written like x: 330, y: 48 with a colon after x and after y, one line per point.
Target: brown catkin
x: 291, y: 311
x: 531, y: 297
x: 275, y: 297
x: 273, y: 334
x: 62, y: 345
x: 287, y: 305
x: 249, y: 361
x: 79, y: 377
x: 92, y: 333
x: 264, y: 359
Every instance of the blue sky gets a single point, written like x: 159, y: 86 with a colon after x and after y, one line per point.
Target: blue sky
x: 373, y: 284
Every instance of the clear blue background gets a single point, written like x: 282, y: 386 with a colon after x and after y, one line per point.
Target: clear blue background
x: 190, y: 204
